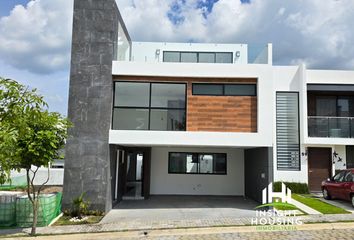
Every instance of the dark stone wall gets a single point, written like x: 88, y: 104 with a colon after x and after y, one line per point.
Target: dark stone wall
x: 258, y: 161
x: 87, y: 163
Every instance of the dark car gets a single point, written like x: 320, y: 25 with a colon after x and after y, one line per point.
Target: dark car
x: 341, y: 186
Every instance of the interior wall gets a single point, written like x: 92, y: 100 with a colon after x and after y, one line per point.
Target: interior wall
x: 197, y: 184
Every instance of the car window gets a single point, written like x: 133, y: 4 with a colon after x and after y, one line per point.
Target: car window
x: 349, y: 177
x: 340, y: 176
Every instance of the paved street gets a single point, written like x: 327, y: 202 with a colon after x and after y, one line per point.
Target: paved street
x: 341, y: 231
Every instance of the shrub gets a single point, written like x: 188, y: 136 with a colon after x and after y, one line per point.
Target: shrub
x: 300, y: 188
x: 80, y: 206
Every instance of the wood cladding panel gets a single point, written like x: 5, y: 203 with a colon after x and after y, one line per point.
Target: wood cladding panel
x: 213, y: 113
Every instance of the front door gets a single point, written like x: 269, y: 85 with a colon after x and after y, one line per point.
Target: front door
x: 319, y: 166
x: 133, y: 175
x: 136, y: 174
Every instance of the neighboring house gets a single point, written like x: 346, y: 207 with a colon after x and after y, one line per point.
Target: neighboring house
x: 195, y: 119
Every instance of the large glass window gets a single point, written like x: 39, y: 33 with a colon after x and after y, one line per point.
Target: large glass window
x: 167, y: 119
x: 149, y: 106
x: 207, y: 57
x: 197, y: 163
x: 171, y: 57
x: 128, y: 94
x: 200, y: 57
x: 223, y: 58
x: 189, y: 57
x: 224, y: 89
x: 168, y: 95
x: 326, y: 106
x: 130, y: 118
x: 331, y: 105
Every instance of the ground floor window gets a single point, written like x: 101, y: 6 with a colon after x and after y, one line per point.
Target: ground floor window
x: 197, y: 163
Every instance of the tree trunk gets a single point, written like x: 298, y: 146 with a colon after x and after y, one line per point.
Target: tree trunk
x: 35, y: 217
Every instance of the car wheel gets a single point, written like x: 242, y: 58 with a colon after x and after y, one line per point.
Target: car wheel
x: 353, y: 200
x: 326, y: 194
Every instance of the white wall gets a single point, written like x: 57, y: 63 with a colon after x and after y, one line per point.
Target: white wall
x: 265, y: 105
x: 302, y: 176
x: 330, y: 77
x: 327, y: 77
x: 147, y: 51
x: 188, y: 184
x: 56, y: 176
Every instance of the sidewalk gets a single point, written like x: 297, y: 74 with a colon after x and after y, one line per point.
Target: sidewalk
x: 159, y: 225
x: 303, y: 232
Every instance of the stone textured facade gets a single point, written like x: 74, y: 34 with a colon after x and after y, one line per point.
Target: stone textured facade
x: 87, y: 164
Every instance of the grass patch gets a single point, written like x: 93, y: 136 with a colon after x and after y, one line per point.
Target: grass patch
x: 277, y: 205
x: 13, y: 188
x: 285, y: 208
x: 65, y: 220
x: 318, y: 205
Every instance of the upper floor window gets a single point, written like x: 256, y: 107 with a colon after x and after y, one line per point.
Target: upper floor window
x: 198, y: 57
x: 149, y: 106
x: 224, y: 89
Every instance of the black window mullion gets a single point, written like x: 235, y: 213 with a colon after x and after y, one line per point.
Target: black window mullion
x: 198, y: 163
x: 150, y: 106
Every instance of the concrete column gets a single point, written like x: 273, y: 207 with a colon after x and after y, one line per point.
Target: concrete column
x: 87, y: 160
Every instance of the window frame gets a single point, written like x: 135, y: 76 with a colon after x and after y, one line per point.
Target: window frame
x: 198, y: 164
x: 149, y: 108
x: 298, y: 126
x: 223, y: 89
x: 180, y: 58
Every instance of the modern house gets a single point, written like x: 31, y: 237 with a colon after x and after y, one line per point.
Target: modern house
x: 195, y: 118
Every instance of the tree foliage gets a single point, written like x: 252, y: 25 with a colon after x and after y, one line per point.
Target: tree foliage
x: 30, y: 136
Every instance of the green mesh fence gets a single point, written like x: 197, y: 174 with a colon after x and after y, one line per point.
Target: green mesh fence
x: 19, y: 212
x: 7, y: 211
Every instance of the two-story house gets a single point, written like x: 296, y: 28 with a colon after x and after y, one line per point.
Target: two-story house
x: 194, y: 118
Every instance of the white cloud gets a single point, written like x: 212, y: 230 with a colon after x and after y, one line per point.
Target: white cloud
x: 37, y: 37
x: 301, y: 31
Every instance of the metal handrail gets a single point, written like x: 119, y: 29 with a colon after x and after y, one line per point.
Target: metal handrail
x: 330, y: 117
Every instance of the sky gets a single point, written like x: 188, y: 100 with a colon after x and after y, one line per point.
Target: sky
x: 35, y: 35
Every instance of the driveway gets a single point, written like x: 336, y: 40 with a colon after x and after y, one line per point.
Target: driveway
x: 176, y: 208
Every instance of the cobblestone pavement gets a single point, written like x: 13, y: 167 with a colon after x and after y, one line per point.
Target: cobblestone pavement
x: 340, y: 231
x: 157, y: 225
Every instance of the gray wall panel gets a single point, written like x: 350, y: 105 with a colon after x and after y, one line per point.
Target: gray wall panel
x: 258, y: 161
x: 87, y: 163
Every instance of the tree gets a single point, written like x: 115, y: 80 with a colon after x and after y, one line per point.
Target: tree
x: 30, y: 136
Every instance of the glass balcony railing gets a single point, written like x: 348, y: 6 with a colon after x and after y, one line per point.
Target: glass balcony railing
x: 331, y: 127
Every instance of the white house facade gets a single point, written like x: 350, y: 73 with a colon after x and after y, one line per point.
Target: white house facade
x: 196, y: 118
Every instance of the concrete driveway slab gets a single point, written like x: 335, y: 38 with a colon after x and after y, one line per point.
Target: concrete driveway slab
x: 159, y: 208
